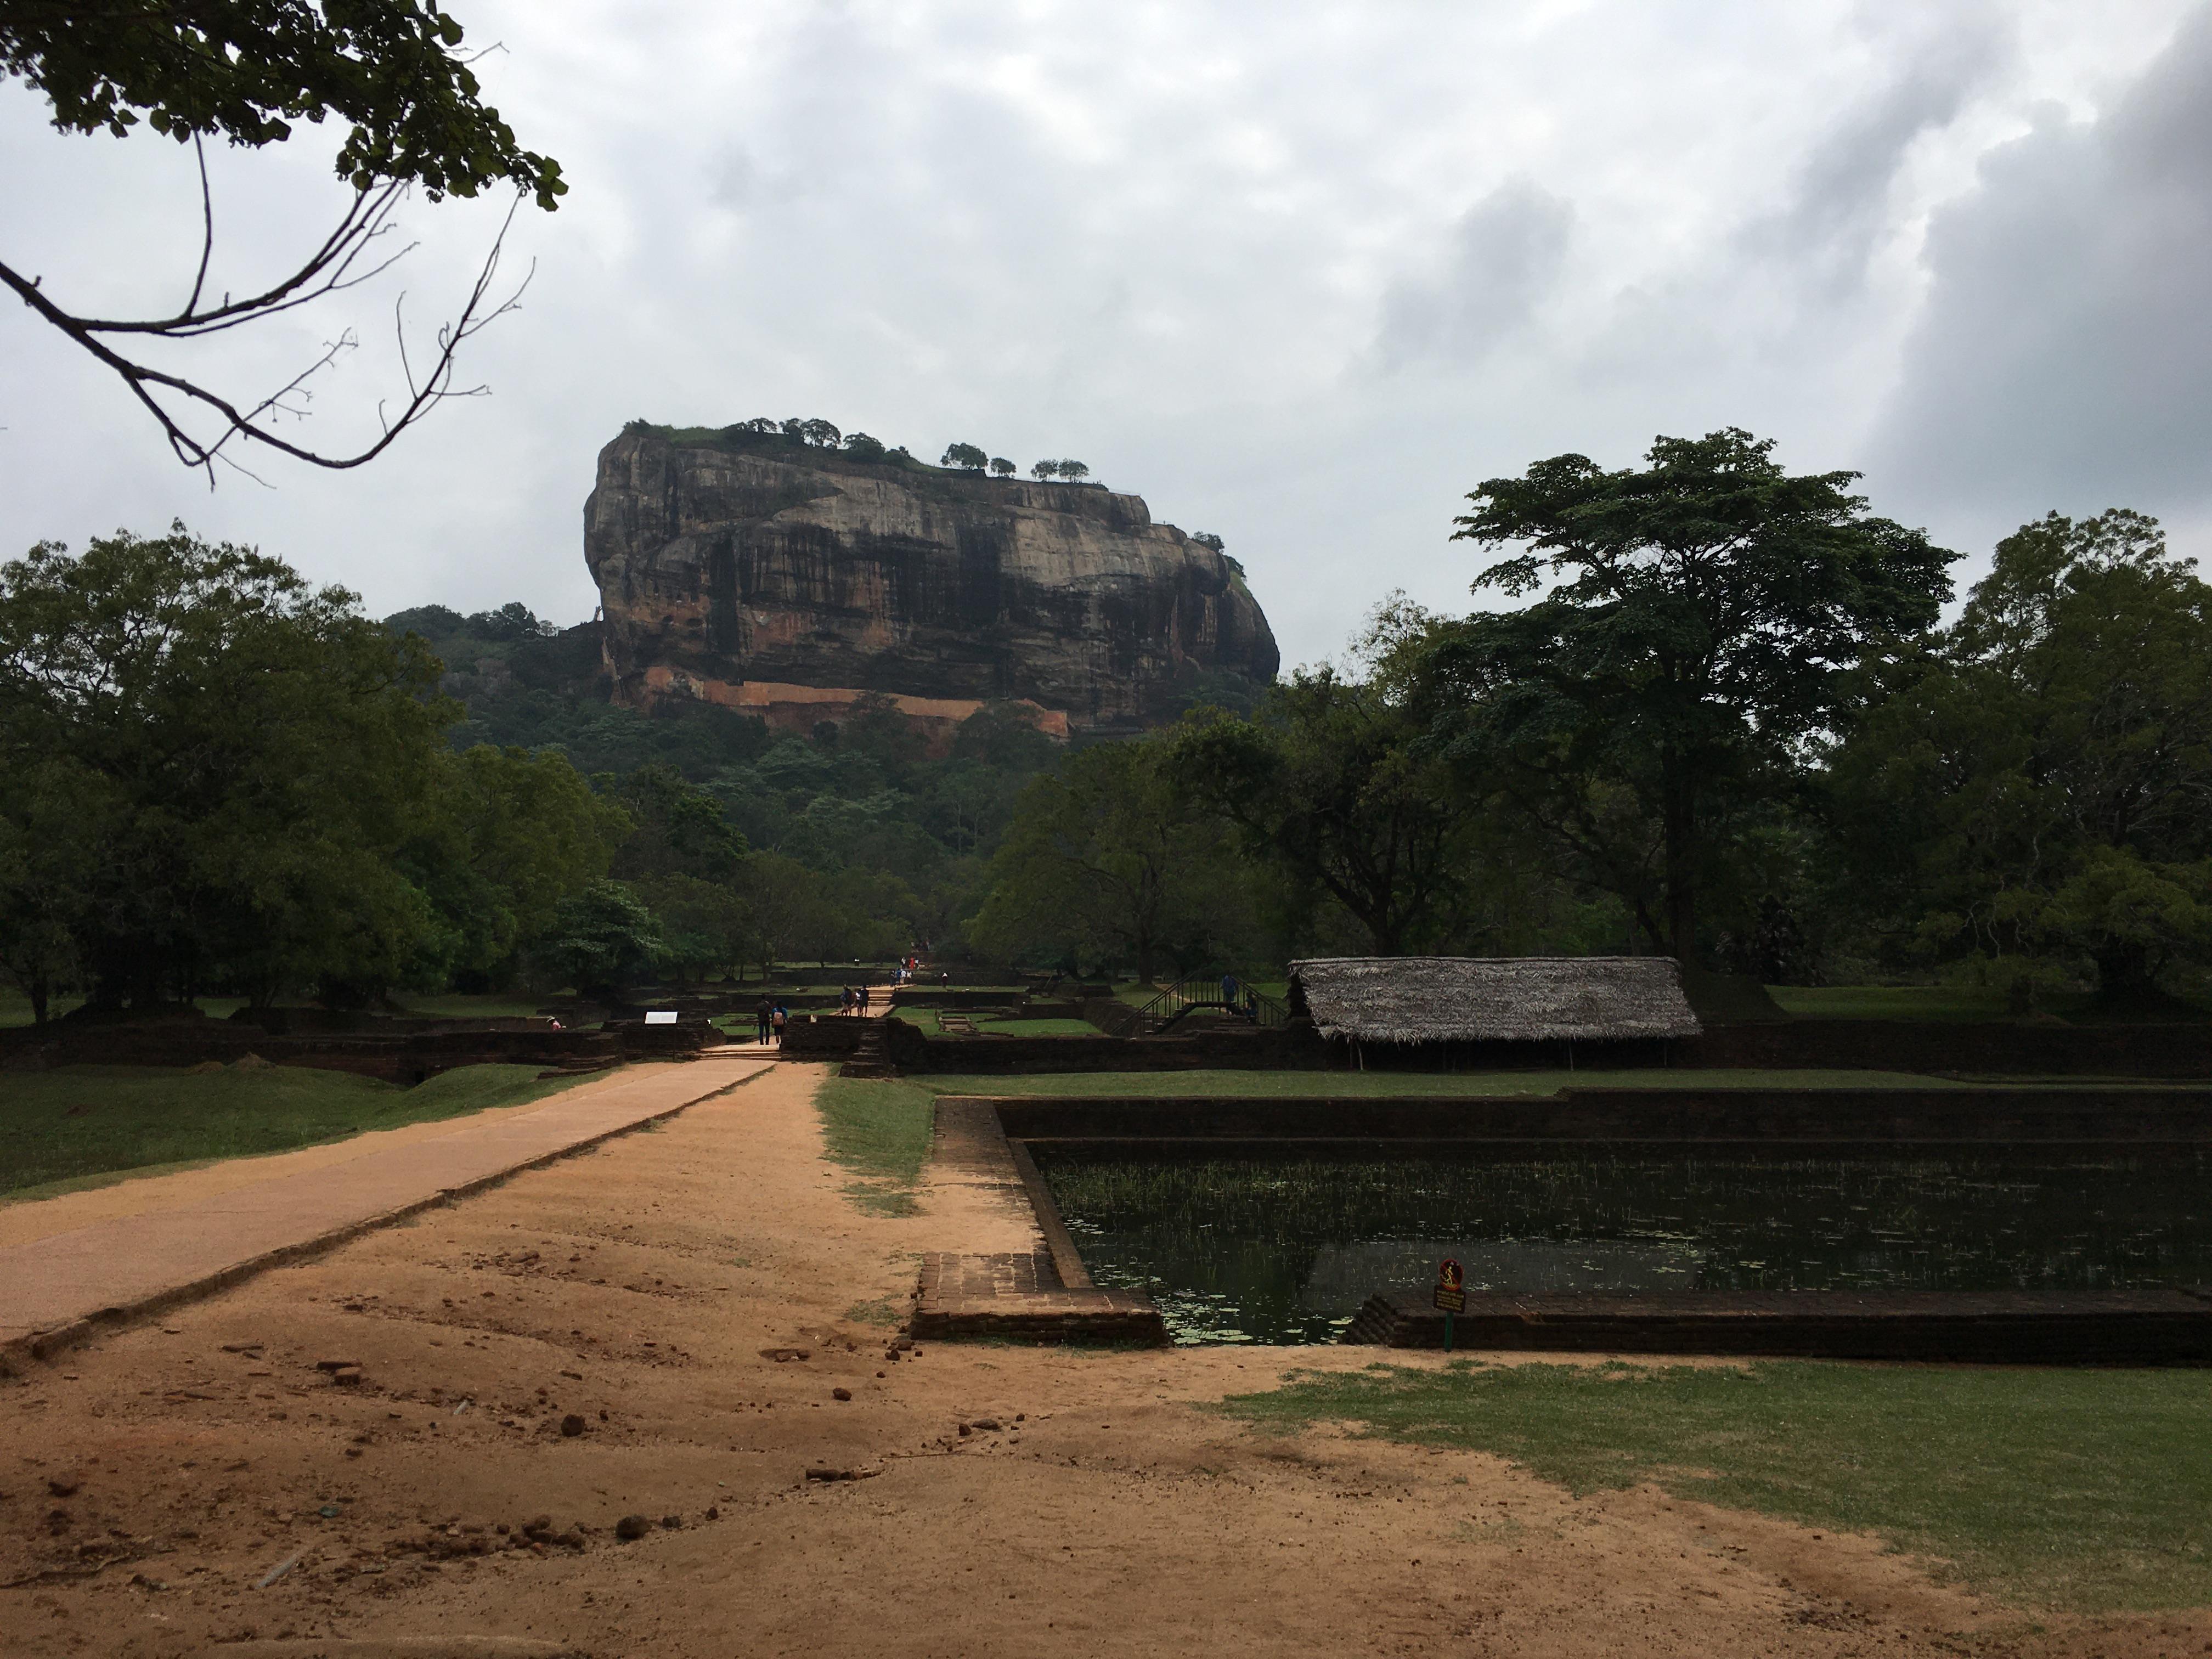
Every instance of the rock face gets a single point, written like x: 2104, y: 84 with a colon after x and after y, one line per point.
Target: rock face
x: 755, y: 572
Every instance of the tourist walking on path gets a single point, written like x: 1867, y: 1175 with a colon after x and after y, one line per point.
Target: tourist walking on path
x: 782, y: 1018
x: 864, y: 1001
x: 765, y: 1019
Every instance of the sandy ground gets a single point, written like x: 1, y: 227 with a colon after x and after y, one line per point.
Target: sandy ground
x: 148, y: 1485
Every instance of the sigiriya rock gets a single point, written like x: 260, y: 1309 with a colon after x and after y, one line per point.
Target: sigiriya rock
x: 789, y: 581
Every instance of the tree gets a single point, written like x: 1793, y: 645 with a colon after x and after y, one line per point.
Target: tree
x: 1111, y: 858
x: 815, y: 435
x: 676, y: 829
x: 1043, y: 470
x: 966, y: 456
x: 238, y: 757
x: 512, y: 620
x: 505, y: 836
x: 1207, y: 539
x: 1001, y: 467
x: 1074, y: 471
x: 245, y: 71
x: 2034, y: 791
x: 1331, y: 783
x: 789, y: 911
x: 604, y: 941
x: 1713, y: 611
x: 705, y: 925
x: 861, y: 447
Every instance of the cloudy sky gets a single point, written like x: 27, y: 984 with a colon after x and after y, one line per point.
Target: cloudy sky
x: 1300, y: 274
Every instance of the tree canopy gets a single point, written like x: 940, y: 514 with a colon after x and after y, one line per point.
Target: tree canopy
x: 2035, y: 788
x: 1703, y: 617
x: 247, y: 71
x: 213, y: 772
x: 1331, y: 782
x: 1110, y: 860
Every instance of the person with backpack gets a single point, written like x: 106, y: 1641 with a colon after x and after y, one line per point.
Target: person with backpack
x: 782, y: 1019
x: 764, y: 1021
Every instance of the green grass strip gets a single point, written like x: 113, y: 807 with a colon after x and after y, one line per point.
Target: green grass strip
x: 2081, y: 1490
x: 881, y: 1131
x: 1365, y: 1084
x: 79, y: 1126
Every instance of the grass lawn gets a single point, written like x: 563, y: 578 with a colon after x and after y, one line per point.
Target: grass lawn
x: 1952, y: 1002
x: 509, y: 1004
x: 1409, y: 1083
x: 931, y: 1022
x: 2084, y: 1489
x: 880, y: 1131
x: 82, y: 1126
x: 15, y: 1008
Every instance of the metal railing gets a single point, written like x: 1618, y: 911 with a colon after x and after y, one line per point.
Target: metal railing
x: 1190, y: 996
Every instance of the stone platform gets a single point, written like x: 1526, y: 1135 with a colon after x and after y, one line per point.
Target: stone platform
x: 2016, y: 1327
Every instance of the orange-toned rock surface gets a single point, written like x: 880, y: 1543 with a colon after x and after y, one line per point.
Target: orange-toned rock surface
x: 789, y: 581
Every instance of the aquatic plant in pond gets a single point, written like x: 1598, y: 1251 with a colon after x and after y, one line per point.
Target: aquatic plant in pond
x: 1284, y: 1250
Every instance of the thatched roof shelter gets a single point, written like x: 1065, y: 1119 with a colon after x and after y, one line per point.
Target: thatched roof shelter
x: 1492, y: 998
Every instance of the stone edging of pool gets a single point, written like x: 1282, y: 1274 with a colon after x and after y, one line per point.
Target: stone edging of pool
x: 1042, y: 1295
x: 1049, y: 1295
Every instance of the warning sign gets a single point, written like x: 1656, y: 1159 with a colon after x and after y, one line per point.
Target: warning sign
x: 1451, y: 1287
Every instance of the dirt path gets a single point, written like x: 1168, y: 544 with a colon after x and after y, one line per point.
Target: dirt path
x: 646, y: 1290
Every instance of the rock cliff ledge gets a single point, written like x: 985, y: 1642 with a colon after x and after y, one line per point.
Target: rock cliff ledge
x: 752, y: 571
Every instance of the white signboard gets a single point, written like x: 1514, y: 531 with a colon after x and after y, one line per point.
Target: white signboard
x: 660, y: 1017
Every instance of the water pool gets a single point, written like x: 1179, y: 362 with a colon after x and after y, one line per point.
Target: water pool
x: 1286, y: 1249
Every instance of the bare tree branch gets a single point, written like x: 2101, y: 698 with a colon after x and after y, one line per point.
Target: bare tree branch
x: 346, y: 259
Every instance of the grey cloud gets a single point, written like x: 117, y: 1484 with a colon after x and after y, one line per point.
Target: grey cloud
x: 2065, y: 356
x: 1506, y: 255
x: 1839, y: 209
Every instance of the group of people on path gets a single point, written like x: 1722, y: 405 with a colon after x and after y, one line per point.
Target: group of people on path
x: 772, y: 1018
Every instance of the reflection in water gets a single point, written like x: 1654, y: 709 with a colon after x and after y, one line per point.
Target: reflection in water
x: 1284, y: 1250
x: 1347, y: 1274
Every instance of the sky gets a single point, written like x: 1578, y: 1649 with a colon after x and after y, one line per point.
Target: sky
x: 1302, y: 275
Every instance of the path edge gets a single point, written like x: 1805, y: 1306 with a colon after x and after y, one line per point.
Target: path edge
x: 17, y: 1353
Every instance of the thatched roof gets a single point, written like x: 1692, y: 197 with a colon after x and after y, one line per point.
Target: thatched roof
x: 1492, y: 998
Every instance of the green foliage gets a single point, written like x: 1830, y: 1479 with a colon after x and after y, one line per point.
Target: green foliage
x: 1001, y: 467
x: 245, y: 70
x: 64, y: 1126
x: 1110, y: 860
x: 217, y: 776
x: 2030, y: 794
x: 2085, y: 1490
x: 1707, y: 618
x: 966, y: 457
x: 503, y: 835
x: 208, y: 762
x: 603, y: 940
x: 1331, y: 784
